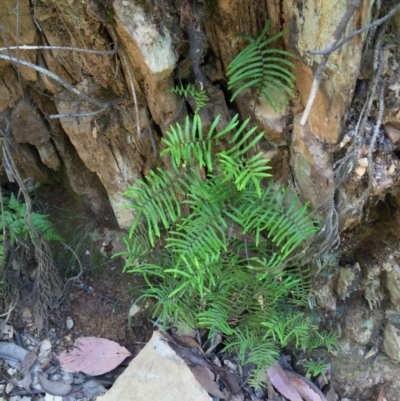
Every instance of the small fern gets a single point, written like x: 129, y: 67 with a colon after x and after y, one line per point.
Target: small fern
x: 264, y: 69
x: 14, y: 219
x: 14, y: 225
x: 200, y: 97
x: 316, y: 368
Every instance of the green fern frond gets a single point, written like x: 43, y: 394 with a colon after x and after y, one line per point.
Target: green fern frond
x: 285, y: 227
x: 156, y: 199
x: 200, y: 97
x: 264, y: 69
x: 215, y: 318
x: 252, y: 348
x: 316, y: 368
x: 316, y: 339
x: 188, y: 144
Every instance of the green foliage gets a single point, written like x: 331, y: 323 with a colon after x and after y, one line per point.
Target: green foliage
x: 16, y: 227
x: 200, y: 97
x: 316, y: 368
x: 264, y: 69
x: 213, y: 244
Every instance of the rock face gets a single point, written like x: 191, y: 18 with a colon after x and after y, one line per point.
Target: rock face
x: 119, y: 144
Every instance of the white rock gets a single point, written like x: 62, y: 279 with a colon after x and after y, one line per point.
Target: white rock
x: 360, y: 171
x: 363, y: 162
x: 391, y: 169
x: 69, y: 323
x: 157, y: 373
x: 45, y: 346
x: 134, y: 310
x: 9, y: 388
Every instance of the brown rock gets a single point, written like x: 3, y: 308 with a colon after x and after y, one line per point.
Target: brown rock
x: 391, y: 341
x: 393, y: 284
x: 361, y: 326
x: 393, y: 133
x: 27, y: 32
x: 151, y: 53
x: 112, y: 154
x: 348, y: 280
x: 323, y: 292
x: 335, y: 90
x: 48, y: 155
x: 27, y: 126
x: 312, y: 165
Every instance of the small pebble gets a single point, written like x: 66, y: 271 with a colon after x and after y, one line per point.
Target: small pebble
x: 69, y: 323
x: 360, y: 171
x: 9, y: 388
x: 391, y: 169
x: 11, y: 371
x: 363, y: 162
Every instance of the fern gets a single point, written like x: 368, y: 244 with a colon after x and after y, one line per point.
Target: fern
x: 200, y: 97
x: 213, y: 247
x: 264, y: 69
x: 316, y: 368
x: 17, y: 229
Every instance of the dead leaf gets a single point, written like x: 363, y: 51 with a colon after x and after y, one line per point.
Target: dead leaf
x: 188, y: 342
x: 282, y: 383
x: 206, y: 378
x: 303, y: 388
x: 56, y: 387
x: 12, y: 352
x: 93, y: 356
x: 26, y: 365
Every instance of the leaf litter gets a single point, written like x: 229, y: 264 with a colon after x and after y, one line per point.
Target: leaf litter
x: 42, y: 374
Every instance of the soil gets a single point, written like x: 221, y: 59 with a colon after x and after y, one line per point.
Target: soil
x: 98, y: 303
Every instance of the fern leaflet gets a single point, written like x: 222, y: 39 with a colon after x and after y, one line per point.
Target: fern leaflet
x: 264, y: 69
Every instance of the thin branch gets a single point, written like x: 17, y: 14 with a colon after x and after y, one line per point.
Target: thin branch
x: 88, y: 114
x: 76, y: 49
x: 58, y: 79
x: 133, y: 90
x: 355, y: 33
x: 318, y: 75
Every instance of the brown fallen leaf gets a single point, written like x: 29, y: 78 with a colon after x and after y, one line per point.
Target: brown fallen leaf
x: 281, y: 382
x: 207, y: 379
x: 304, y: 388
x: 93, y: 356
x: 188, y: 342
x: 56, y: 387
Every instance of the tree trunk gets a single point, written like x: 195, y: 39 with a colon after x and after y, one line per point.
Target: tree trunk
x: 106, y: 134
